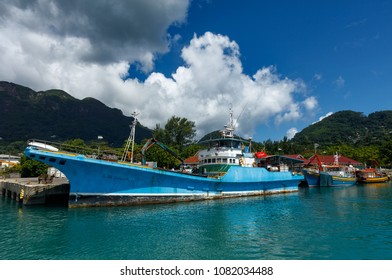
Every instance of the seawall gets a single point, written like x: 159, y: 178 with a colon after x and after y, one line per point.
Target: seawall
x: 28, y: 191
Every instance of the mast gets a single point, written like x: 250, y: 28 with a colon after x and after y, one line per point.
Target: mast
x: 336, y: 159
x: 131, y: 138
x: 228, y: 130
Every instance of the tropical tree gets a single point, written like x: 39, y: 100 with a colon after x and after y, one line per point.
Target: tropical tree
x: 177, y: 135
x: 189, y: 151
x: 162, y: 158
x: 367, y: 154
x: 386, y: 153
x: 179, y: 132
x: 160, y: 134
x: 31, y: 168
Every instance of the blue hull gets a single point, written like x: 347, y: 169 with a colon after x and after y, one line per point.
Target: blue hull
x: 312, y: 179
x: 97, y: 182
x: 324, y: 179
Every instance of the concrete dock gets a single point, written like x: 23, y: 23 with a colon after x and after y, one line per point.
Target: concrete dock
x: 28, y: 191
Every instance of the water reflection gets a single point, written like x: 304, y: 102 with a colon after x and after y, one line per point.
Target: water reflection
x: 321, y: 223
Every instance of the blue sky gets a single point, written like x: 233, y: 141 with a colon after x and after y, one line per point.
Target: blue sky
x: 281, y: 64
x: 342, y: 50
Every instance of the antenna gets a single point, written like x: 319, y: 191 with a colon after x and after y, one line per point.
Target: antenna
x: 228, y: 130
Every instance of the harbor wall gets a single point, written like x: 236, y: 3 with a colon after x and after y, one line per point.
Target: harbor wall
x: 29, y: 192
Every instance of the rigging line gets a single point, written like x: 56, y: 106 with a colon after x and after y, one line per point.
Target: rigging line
x: 239, y: 116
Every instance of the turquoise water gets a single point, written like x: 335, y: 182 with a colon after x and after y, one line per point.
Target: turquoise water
x: 322, y: 223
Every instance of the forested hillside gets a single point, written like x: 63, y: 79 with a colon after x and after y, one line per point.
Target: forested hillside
x: 350, y: 128
x: 57, y: 116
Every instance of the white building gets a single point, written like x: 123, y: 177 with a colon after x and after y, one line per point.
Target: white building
x: 57, y: 173
x: 8, y: 161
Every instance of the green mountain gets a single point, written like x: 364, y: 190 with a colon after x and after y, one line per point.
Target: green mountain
x: 348, y: 127
x: 57, y: 116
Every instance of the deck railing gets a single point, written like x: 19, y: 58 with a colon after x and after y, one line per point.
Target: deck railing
x: 98, y: 152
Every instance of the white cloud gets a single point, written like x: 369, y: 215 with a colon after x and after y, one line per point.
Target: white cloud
x: 112, y: 31
x: 356, y: 23
x: 339, y: 82
x: 310, y: 103
x: 211, y: 80
x: 291, y: 132
x: 51, y: 44
x: 317, y: 77
x: 323, y: 117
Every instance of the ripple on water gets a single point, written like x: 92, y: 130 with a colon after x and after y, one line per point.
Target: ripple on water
x: 326, y: 223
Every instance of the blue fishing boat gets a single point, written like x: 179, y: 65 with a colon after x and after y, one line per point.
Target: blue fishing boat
x: 329, y: 175
x: 227, y: 168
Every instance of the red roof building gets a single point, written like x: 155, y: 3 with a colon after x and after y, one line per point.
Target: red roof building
x: 193, y: 160
x: 330, y: 160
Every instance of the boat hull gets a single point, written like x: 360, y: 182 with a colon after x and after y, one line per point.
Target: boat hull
x: 370, y: 175
x: 312, y: 179
x: 99, y: 183
x: 373, y: 180
x: 343, y: 181
x: 324, y: 179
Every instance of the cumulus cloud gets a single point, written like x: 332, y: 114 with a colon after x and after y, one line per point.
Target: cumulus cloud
x: 291, y: 132
x: 211, y: 79
x: 310, y: 103
x: 101, y: 32
x: 76, y: 47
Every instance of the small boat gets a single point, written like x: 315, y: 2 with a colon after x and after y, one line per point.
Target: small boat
x: 329, y: 175
x: 371, y: 175
x: 227, y: 168
x: 43, y: 146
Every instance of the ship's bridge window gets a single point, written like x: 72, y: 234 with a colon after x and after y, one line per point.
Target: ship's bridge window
x: 209, y: 160
x: 224, y: 160
x: 218, y: 160
x: 213, y: 160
